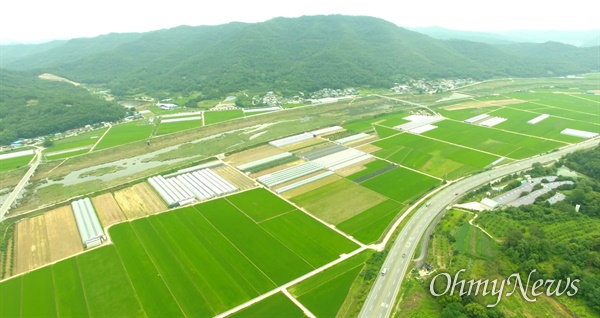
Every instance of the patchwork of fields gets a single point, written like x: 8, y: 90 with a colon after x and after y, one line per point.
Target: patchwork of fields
x: 195, y: 261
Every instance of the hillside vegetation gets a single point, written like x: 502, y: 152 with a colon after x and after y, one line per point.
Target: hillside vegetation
x: 31, y: 107
x: 290, y: 55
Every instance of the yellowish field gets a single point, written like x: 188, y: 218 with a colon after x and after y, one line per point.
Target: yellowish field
x: 311, y: 186
x: 63, y: 234
x: 32, y: 247
x: 368, y: 148
x: 339, y: 201
x: 481, y: 104
x: 253, y: 154
x: 108, y: 209
x: 303, y: 144
x: 359, y: 166
x: 234, y: 177
x: 362, y: 141
x: 139, y: 200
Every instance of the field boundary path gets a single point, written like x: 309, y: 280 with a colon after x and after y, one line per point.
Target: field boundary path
x: 290, y: 284
x: 100, y: 139
x: 299, y: 304
x: 13, y: 195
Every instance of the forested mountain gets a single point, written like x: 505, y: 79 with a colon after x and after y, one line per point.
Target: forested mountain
x: 291, y: 55
x: 31, y: 107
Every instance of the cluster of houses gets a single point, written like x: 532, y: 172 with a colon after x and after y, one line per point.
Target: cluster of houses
x: 425, y: 86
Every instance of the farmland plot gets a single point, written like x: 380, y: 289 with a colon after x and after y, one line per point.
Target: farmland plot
x: 195, y: 261
x: 125, y: 133
x: 401, y: 184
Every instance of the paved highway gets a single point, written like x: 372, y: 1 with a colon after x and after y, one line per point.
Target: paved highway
x: 13, y: 195
x: 380, y: 301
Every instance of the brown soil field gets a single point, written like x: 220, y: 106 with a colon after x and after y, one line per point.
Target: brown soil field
x: 132, y: 205
x: 346, y: 171
x: 306, y: 150
x: 368, y: 148
x: 303, y: 144
x: 153, y: 201
x: 108, y: 209
x: 63, y: 234
x: 275, y: 169
x: 311, y: 186
x: 362, y: 141
x: 253, y: 154
x: 480, y: 104
x: 234, y: 177
x: 339, y: 201
x: 32, y: 247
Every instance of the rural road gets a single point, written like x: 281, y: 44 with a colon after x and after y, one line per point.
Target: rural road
x: 13, y: 195
x: 380, y: 301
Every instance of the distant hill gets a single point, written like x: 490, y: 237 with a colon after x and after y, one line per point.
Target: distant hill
x: 32, y: 107
x: 585, y: 38
x: 289, y: 55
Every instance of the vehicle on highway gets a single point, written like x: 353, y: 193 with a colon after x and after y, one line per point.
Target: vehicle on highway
x: 383, y: 271
x: 427, y: 204
x: 403, y: 255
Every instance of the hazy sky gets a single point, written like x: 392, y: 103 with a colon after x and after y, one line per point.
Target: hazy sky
x: 27, y: 21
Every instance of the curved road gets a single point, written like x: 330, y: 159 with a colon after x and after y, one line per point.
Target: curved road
x: 380, y: 301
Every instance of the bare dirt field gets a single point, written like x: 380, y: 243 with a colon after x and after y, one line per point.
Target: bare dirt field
x: 234, y: 177
x: 56, y: 78
x: 32, y: 246
x: 63, y: 234
x: 346, y: 171
x: 368, y: 148
x: 362, y: 141
x: 480, y: 104
x: 339, y: 201
x: 275, y: 169
x: 311, y: 186
x: 108, y: 209
x: 253, y: 154
x: 151, y: 198
x: 303, y: 144
x: 132, y: 204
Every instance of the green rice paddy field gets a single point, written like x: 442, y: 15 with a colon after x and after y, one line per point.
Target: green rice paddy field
x: 167, y: 128
x: 12, y: 163
x: 324, y: 293
x: 492, y: 140
x: 277, y: 305
x: 81, y: 140
x: 196, y: 261
x: 126, y: 133
x: 401, y: 184
x: 211, y: 117
x: 431, y: 156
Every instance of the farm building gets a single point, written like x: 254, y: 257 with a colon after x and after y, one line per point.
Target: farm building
x: 477, y: 118
x: 578, y: 133
x: 88, y: 224
x: 285, y: 175
x: 291, y: 140
x: 352, y: 138
x: 326, y: 130
x: 174, y: 120
x: 342, y: 159
x: 185, y: 188
x: 167, y: 106
x: 417, y: 121
x: 258, y: 110
x: 263, y: 161
x: 422, y: 129
x: 491, y: 122
x: 538, y: 119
